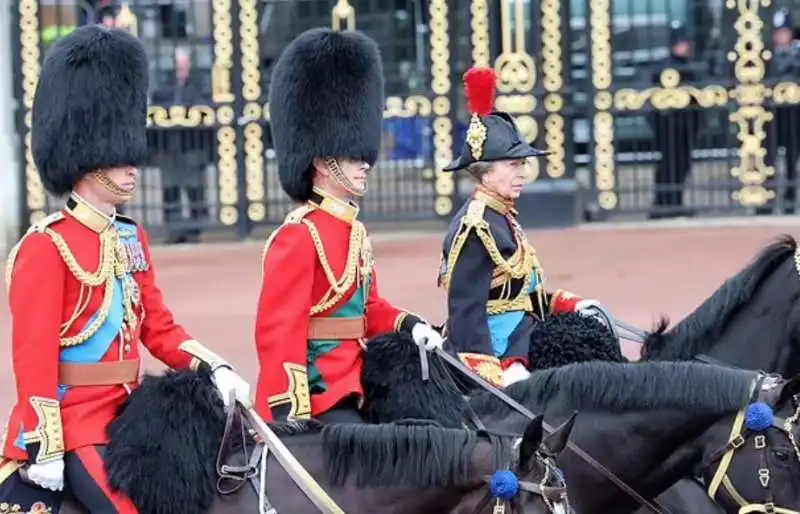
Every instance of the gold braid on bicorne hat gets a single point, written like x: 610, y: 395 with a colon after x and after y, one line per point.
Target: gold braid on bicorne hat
x: 479, y: 88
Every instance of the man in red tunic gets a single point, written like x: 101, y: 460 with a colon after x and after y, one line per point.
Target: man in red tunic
x: 319, y: 300
x: 81, y: 284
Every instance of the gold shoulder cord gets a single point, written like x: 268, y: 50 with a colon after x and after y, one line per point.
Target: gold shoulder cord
x: 359, y: 258
x: 112, y: 265
x: 358, y: 252
x: 37, y: 227
x: 473, y: 219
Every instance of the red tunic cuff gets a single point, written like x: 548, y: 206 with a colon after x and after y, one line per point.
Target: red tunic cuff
x: 405, y: 322
x: 506, y: 363
x: 563, y: 301
x: 488, y: 367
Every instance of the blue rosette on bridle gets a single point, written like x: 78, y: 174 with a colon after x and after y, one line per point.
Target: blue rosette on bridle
x: 504, y: 485
x: 758, y: 417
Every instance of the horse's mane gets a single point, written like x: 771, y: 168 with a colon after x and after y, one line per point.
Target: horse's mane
x: 404, y: 455
x: 616, y: 387
x: 296, y: 427
x: 166, y: 439
x: 701, y: 329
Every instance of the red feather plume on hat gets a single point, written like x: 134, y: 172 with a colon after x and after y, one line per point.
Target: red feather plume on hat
x: 479, y: 87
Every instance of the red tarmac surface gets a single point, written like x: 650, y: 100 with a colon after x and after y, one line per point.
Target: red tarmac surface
x: 638, y: 274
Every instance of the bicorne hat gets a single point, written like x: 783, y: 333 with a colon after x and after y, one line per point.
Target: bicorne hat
x: 491, y: 135
x: 90, y: 106
x: 325, y: 100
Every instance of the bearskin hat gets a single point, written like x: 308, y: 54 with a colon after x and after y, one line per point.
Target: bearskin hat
x: 90, y: 106
x: 325, y: 100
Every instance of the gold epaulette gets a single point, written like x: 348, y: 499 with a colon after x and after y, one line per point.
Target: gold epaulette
x: 473, y: 219
x: 40, y: 227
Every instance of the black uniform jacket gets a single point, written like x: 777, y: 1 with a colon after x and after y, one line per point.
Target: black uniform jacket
x: 494, y: 286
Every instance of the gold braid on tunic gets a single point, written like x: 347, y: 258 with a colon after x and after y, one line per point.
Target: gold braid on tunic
x: 519, y: 266
x: 358, y: 266
x: 113, y: 265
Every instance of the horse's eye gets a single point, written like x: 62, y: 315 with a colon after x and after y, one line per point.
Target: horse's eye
x: 782, y: 455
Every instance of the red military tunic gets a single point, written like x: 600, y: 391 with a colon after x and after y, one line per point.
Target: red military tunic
x: 83, y: 294
x: 319, y: 303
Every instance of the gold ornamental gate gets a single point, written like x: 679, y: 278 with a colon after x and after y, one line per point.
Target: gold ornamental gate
x: 233, y: 44
x: 212, y: 122
x: 733, y: 100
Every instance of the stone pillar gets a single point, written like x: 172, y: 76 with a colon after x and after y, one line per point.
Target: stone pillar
x: 9, y: 142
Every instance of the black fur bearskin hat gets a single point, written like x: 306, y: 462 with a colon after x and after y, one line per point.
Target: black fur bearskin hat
x: 325, y: 100
x: 90, y: 106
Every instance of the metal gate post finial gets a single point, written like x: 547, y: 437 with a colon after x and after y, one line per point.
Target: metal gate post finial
x: 343, y: 11
x: 126, y: 19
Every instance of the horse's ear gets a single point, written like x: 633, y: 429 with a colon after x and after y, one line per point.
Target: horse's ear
x: 789, y: 390
x: 531, y: 440
x: 557, y: 441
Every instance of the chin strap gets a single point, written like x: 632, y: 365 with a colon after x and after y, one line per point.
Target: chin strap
x: 112, y: 187
x: 338, y: 175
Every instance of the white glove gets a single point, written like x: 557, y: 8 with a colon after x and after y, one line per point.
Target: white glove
x: 227, y: 382
x: 593, y: 309
x: 515, y: 373
x: 424, y: 335
x: 48, y: 475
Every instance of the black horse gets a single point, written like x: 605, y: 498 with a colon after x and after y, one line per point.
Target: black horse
x: 759, y: 303
x: 756, y: 304
x: 650, y: 422
x: 751, y: 321
x: 170, y: 438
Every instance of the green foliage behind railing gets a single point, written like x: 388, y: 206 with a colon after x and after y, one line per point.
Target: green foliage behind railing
x: 53, y: 33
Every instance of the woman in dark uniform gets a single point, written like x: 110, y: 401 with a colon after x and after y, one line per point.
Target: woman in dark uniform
x: 494, y: 283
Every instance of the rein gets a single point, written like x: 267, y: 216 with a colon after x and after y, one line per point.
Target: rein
x: 521, y: 409
x: 272, y: 443
x: 239, y: 475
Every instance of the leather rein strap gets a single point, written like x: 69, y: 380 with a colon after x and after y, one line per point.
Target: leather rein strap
x: 299, y: 475
x: 500, y: 395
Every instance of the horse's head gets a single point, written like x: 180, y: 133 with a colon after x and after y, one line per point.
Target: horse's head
x: 759, y: 465
x: 530, y: 482
x: 758, y: 304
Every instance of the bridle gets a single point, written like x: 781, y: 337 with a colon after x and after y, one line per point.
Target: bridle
x: 238, y: 475
x: 656, y: 508
x: 764, y: 390
x: 255, y: 472
x: 551, y: 495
